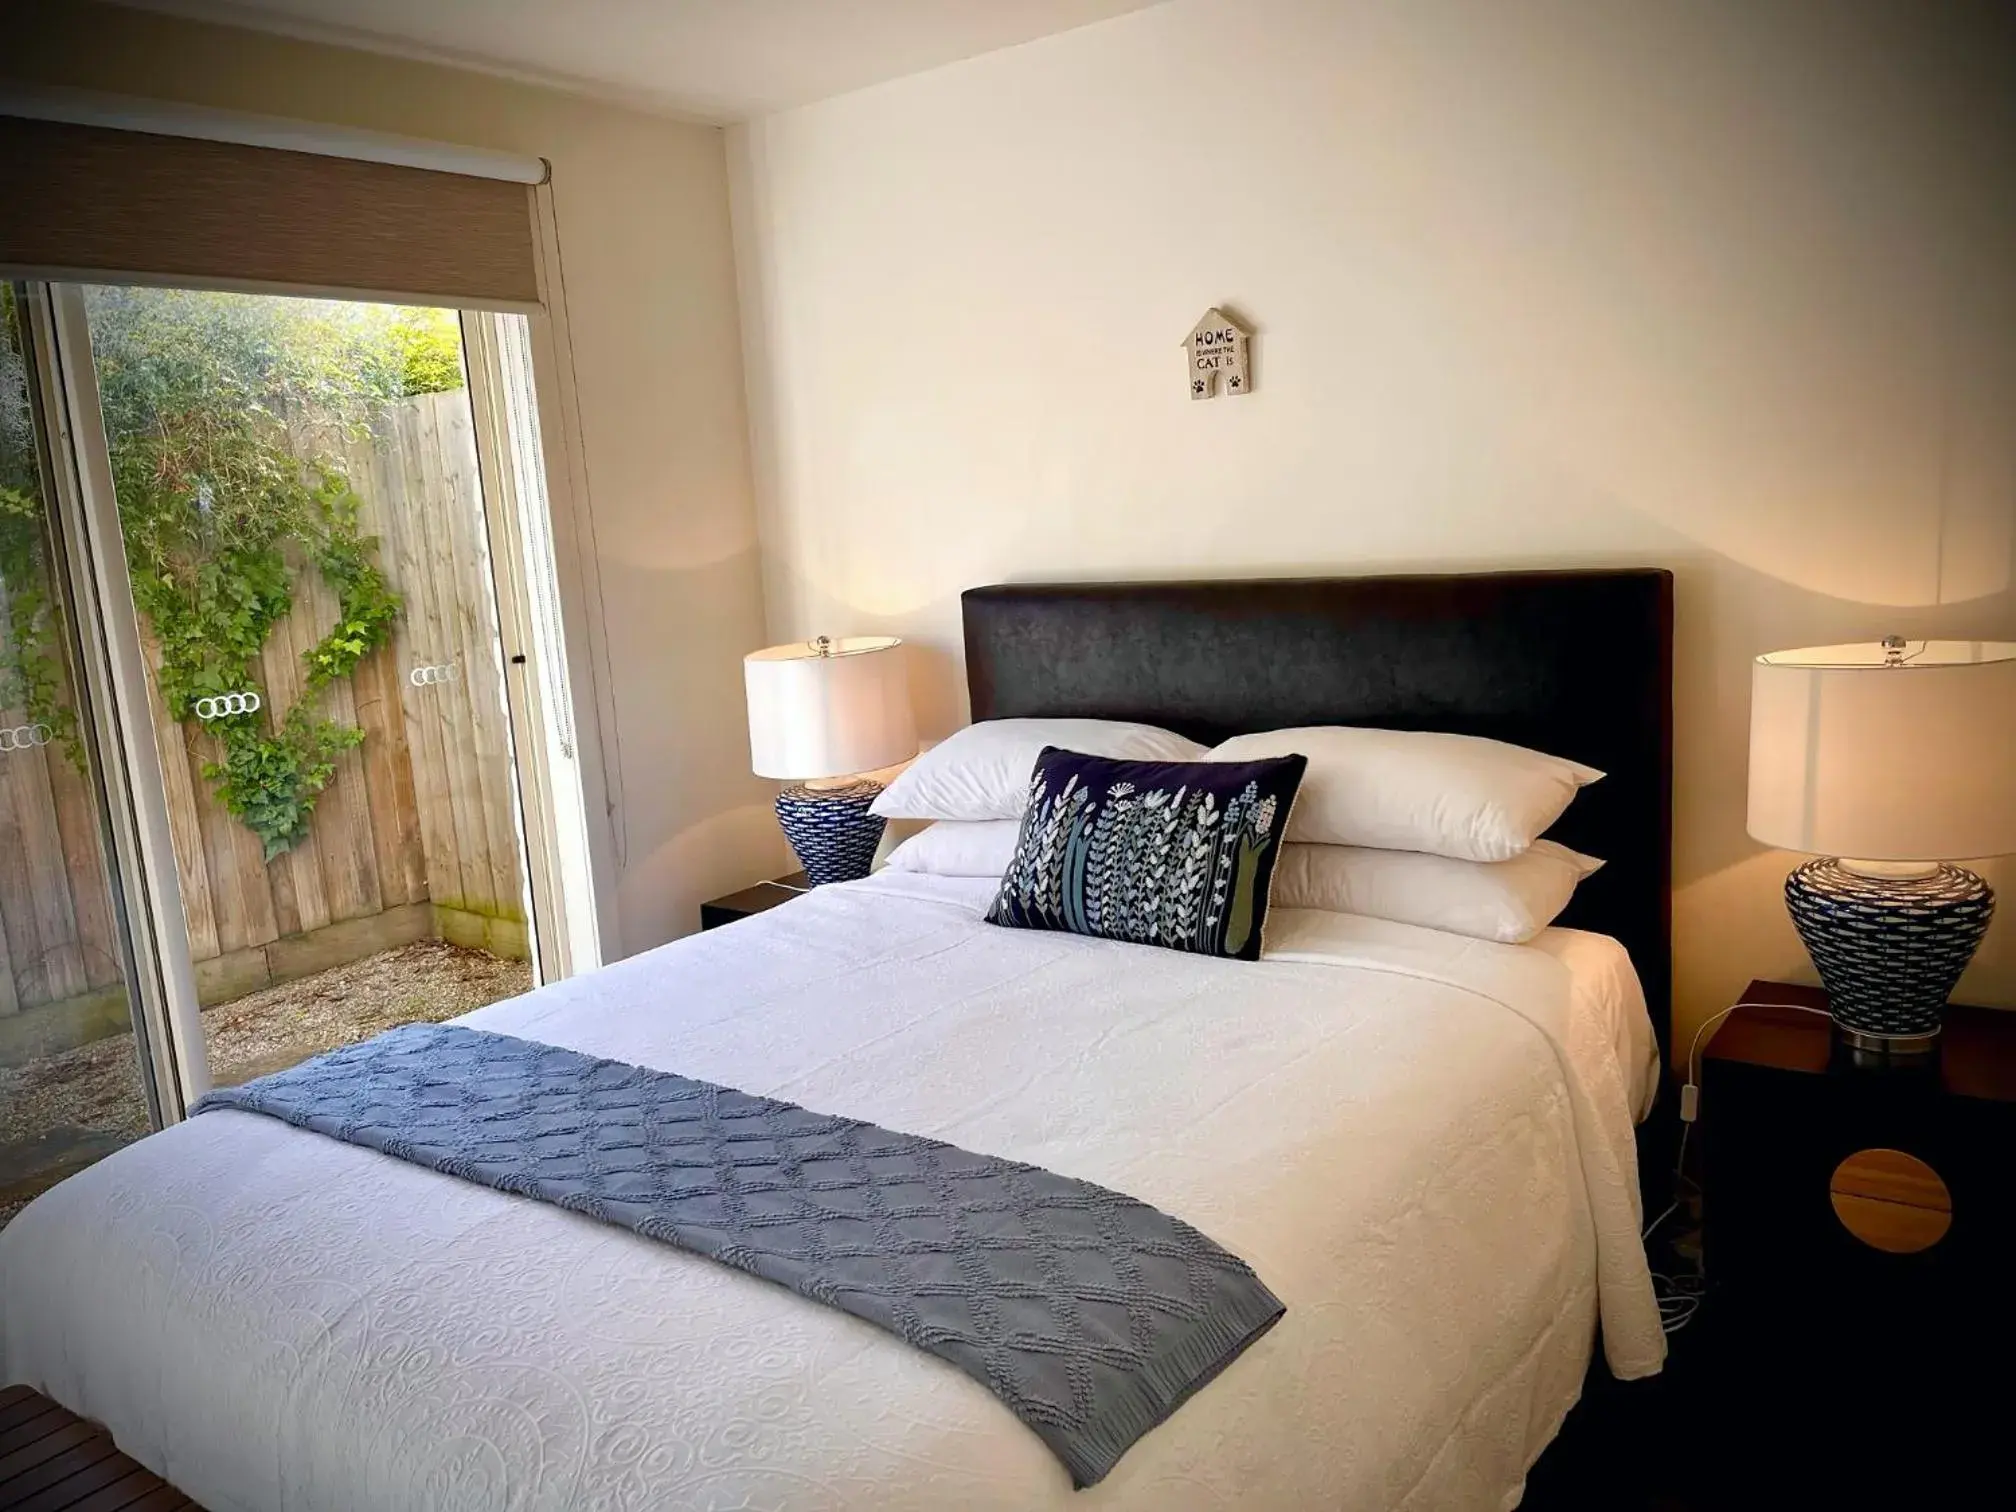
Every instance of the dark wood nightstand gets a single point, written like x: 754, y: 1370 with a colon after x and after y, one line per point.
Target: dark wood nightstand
x: 1877, y: 1343
x: 751, y: 900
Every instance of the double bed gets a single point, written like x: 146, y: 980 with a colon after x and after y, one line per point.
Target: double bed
x: 1423, y: 1143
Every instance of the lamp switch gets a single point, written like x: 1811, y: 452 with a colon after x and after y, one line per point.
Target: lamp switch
x: 1690, y: 1102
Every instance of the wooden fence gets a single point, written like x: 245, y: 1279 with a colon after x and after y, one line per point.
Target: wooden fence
x: 56, y: 940
x: 415, y: 835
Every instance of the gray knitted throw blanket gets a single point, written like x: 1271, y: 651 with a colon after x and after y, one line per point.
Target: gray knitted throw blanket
x: 1091, y: 1315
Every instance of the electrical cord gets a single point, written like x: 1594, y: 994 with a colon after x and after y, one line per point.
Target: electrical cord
x: 1680, y: 1298
x: 1690, y: 1095
x: 1680, y: 1294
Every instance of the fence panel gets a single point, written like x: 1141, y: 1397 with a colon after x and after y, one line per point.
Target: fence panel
x: 55, y: 928
x: 423, y: 499
x: 419, y: 813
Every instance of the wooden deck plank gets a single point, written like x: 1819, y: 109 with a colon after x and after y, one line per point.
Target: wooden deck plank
x: 159, y: 1498
x: 121, y: 1494
x: 67, y: 1479
x: 19, y: 1407
x: 46, y: 1448
x: 31, y: 1430
x: 55, y: 1461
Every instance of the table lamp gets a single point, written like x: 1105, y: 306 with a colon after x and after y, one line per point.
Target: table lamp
x: 821, y: 713
x: 1887, y: 761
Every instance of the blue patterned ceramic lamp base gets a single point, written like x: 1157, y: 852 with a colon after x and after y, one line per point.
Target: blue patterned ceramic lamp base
x: 1889, y: 950
x: 831, y: 829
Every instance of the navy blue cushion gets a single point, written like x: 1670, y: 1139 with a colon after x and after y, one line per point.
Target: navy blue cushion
x: 1173, y: 853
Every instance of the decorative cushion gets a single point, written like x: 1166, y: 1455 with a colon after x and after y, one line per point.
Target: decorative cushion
x: 1173, y: 853
x: 982, y: 771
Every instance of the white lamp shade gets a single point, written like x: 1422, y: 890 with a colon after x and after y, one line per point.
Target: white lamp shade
x: 829, y: 712
x: 1916, y: 761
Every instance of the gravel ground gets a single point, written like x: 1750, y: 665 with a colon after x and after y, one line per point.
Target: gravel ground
x: 96, y: 1087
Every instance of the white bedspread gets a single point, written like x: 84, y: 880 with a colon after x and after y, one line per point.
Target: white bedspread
x: 1422, y: 1144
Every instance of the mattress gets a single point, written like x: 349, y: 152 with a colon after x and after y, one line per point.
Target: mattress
x: 1422, y: 1143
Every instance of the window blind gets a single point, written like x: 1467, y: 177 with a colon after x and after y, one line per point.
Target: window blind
x: 97, y: 204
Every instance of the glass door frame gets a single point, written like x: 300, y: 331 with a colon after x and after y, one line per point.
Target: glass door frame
x: 546, y: 741
x: 140, y: 859
x: 562, y: 867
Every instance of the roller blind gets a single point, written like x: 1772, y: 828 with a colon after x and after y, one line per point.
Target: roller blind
x: 99, y: 204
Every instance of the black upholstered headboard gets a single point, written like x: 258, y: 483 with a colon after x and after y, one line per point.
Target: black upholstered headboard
x: 1579, y: 664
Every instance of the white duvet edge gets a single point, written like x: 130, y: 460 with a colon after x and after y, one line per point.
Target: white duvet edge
x: 1537, y: 987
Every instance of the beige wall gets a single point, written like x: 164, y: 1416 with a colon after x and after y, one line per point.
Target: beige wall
x: 1726, y: 287
x: 641, y: 205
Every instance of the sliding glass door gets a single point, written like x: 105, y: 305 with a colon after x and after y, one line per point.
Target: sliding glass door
x: 313, y: 592
x: 302, y: 509
x: 74, y: 1082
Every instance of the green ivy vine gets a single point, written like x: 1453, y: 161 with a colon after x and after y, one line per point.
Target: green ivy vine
x: 213, y: 601
x: 217, y: 412
x: 31, y: 671
x: 31, y: 667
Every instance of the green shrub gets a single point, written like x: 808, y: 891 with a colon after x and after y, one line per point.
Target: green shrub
x: 429, y: 344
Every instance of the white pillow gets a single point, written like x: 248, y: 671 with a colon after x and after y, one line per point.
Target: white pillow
x: 1511, y: 901
x: 1416, y: 790
x: 983, y: 771
x: 956, y: 848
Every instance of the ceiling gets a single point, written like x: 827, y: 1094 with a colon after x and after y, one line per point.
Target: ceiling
x: 720, y: 60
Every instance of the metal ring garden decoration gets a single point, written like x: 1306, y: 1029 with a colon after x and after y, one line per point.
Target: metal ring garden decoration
x: 223, y: 705
x: 427, y: 677
x: 24, y: 737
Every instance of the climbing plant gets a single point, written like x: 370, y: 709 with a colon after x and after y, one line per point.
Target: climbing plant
x: 219, y: 411
x: 31, y: 676
x: 212, y: 599
x: 31, y: 672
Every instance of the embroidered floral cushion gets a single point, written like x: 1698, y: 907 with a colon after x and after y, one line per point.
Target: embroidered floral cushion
x: 1173, y: 853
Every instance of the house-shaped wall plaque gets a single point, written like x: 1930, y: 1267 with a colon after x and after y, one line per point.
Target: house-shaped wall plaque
x: 1218, y: 358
